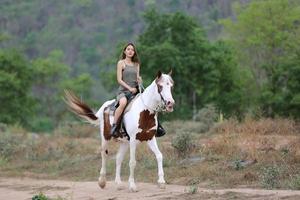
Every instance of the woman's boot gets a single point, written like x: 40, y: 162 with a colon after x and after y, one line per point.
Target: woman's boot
x: 160, y: 130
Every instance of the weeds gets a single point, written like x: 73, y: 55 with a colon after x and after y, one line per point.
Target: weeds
x: 9, y: 145
x: 295, y: 182
x: 270, y: 176
x: 237, y: 164
x: 184, y: 144
x: 40, y: 196
x: 193, y: 189
x: 74, y: 155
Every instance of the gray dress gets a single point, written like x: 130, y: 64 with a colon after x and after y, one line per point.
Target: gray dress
x: 129, y: 76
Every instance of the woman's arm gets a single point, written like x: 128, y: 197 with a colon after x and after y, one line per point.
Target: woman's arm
x: 138, y: 78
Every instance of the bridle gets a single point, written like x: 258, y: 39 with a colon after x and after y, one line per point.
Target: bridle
x: 161, y: 107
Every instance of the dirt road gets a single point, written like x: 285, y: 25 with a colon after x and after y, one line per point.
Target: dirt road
x: 25, y: 188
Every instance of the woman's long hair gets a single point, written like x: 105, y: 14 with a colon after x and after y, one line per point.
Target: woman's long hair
x: 135, y: 57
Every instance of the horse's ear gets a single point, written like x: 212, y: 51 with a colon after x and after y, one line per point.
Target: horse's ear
x: 170, y: 72
x: 158, y: 74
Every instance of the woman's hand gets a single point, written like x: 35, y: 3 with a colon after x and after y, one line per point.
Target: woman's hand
x: 139, y: 79
x: 133, y: 90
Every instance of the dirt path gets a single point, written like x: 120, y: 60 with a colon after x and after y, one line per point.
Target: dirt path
x: 21, y: 189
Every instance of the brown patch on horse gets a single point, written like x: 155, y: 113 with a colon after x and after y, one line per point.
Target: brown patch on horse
x: 107, y: 126
x: 146, y: 122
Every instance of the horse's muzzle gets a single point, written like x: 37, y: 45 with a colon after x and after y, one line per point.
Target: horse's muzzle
x: 169, y: 106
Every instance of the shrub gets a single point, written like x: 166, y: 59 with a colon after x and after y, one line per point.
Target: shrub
x: 237, y: 164
x: 207, y: 116
x: 40, y: 196
x: 9, y: 145
x: 183, y: 143
x: 270, y: 177
x: 42, y: 124
x: 295, y: 183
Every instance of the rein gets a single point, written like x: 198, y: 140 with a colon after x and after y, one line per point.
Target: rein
x: 160, y: 107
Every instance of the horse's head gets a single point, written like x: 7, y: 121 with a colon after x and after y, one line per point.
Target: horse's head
x: 165, y: 84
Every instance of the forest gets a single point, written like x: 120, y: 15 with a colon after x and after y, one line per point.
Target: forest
x: 240, y: 56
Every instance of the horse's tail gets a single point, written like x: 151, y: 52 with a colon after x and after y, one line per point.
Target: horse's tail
x: 80, y: 108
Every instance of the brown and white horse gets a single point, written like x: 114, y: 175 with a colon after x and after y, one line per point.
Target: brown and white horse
x: 140, y: 122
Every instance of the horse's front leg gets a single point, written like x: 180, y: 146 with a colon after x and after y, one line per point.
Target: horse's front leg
x: 153, y: 146
x: 119, y: 159
x: 132, y: 164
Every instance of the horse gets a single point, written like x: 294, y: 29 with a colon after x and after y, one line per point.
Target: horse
x: 140, y: 123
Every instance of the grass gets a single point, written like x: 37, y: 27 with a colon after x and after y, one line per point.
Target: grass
x: 234, y: 154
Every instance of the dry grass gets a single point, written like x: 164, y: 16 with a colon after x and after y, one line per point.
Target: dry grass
x: 72, y: 152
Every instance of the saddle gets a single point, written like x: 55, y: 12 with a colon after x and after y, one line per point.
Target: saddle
x: 110, y: 111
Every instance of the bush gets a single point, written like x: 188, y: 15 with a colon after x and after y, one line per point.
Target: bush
x: 9, y: 145
x: 42, y: 124
x: 40, y: 196
x: 295, y: 183
x: 270, y: 177
x: 183, y: 143
x: 208, y: 116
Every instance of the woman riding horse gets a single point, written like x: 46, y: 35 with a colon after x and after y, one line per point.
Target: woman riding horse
x: 128, y: 77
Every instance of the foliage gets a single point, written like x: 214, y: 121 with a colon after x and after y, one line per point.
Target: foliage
x: 16, y: 79
x: 40, y: 196
x: 270, y: 176
x: 295, y: 182
x: 52, y: 77
x: 9, y: 145
x: 193, y: 189
x: 207, y: 116
x: 206, y: 69
x: 183, y: 143
x: 266, y: 35
x: 87, y: 31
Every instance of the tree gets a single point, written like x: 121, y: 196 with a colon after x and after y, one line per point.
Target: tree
x: 16, y: 103
x: 201, y: 69
x: 266, y: 38
x: 52, y: 76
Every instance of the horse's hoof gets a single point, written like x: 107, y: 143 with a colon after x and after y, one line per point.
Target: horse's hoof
x: 162, y: 185
x: 133, y: 188
x: 120, y: 186
x: 101, y: 182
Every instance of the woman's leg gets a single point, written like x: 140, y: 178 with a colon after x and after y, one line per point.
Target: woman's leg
x: 118, y: 113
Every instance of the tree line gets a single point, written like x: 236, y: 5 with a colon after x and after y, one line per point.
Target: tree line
x: 253, y: 69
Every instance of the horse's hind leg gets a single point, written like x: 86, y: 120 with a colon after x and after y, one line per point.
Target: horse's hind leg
x: 132, y: 164
x: 104, y: 152
x: 153, y: 146
x: 119, y: 159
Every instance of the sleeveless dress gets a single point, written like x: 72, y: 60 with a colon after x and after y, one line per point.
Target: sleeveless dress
x: 129, y: 76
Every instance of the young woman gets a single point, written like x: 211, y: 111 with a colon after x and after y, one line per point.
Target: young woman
x: 128, y: 77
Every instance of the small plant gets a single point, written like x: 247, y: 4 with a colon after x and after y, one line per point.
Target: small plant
x: 270, y: 177
x: 237, y: 164
x: 193, y: 189
x: 285, y: 152
x: 40, y: 196
x: 183, y: 143
x: 295, y: 182
x: 193, y: 186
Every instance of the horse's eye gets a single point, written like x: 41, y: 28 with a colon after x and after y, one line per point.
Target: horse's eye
x: 159, y: 88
